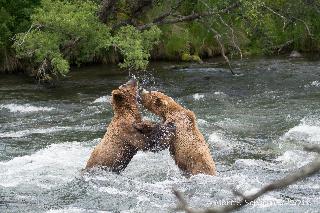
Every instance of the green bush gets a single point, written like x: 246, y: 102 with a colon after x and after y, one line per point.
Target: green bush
x: 65, y: 32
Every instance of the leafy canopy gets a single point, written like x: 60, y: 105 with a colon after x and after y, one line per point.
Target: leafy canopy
x: 65, y: 32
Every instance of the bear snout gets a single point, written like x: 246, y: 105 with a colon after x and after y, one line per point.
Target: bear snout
x: 132, y: 82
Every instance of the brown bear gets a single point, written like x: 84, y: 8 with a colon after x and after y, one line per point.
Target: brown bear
x: 188, y: 148
x: 122, y: 139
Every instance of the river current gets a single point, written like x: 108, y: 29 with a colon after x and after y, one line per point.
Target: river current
x: 255, y: 123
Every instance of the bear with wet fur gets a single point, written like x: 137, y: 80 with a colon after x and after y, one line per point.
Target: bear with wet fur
x: 127, y: 133
x: 188, y: 148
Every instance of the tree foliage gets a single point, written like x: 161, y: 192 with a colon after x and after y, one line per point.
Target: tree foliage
x: 52, y: 35
x: 135, y: 46
x: 14, y: 18
x: 69, y: 32
x: 249, y: 27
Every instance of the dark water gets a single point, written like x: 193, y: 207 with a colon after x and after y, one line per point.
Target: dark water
x: 255, y: 123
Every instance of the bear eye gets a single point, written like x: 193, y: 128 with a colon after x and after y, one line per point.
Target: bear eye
x: 158, y: 102
x: 118, y: 97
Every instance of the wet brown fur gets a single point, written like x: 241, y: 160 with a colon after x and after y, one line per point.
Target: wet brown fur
x: 122, y: 140
x: 189, y: 148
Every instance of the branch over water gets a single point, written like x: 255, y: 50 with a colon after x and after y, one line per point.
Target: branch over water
x: 284, y: 182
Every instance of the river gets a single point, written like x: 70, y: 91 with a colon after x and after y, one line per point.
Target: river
x: 255, y: 123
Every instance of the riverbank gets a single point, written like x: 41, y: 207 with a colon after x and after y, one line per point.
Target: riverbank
x: 175, y: 63
x: 50, y: 36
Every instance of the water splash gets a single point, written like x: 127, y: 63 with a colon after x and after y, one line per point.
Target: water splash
x: 308, y: 131
x: 198, y: 96
x: 52, y: 166
x: 25, y: 108
x: 27, y: 132
x: 103, y: 99
x: 293, y: 158
x: 313, y: 84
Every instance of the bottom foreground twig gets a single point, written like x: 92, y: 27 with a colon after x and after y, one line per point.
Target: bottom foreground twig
x: 300, y: 174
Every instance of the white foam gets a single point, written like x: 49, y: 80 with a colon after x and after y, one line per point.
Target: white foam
x: 27, y: 132
x: 202, y: 121
x: 112, y: 191
x: 307, y: 132
x: 304, y: 132
x: 221, y: 94
x: 249, y: 163
x: 240, y: 181
x: 312, y: 84
x: 198, y: 96
x: 103, y: 99
x: 315, y: 83
x: 219, y: 141
x: 25, y: 108
x: 23, y: 133
x: 56, y: 164
x: 75, y: 210
x: 216, y: 138
x: 295, y: 158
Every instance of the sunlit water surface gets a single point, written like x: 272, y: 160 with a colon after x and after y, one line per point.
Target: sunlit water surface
x: 255, y: 123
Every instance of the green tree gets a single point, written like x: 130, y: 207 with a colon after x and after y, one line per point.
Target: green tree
x: 61, y: 33
x: 14, y: 18
x: 69, y: 32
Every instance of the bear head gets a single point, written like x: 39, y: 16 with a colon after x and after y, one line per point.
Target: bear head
x: 158, y: 103
x: 125, y: 97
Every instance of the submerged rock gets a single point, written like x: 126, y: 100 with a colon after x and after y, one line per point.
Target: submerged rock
x: 295, y: 54
x: 191, y: 58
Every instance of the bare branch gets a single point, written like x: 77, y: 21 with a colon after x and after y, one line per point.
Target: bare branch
x: 284, y: 182
x: 285, y: 19
x: 161, y: 17
x: 223, y: 52
x: 187, y: 18
x: 232, y: 33
x: 173, y: 9
x: 183, y: 203
x: 305, y: 25
x: 191, y: 17
x: 278, y: 14
x: 233, y: 36
x: 26, y: 34
x: 139, y: 7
